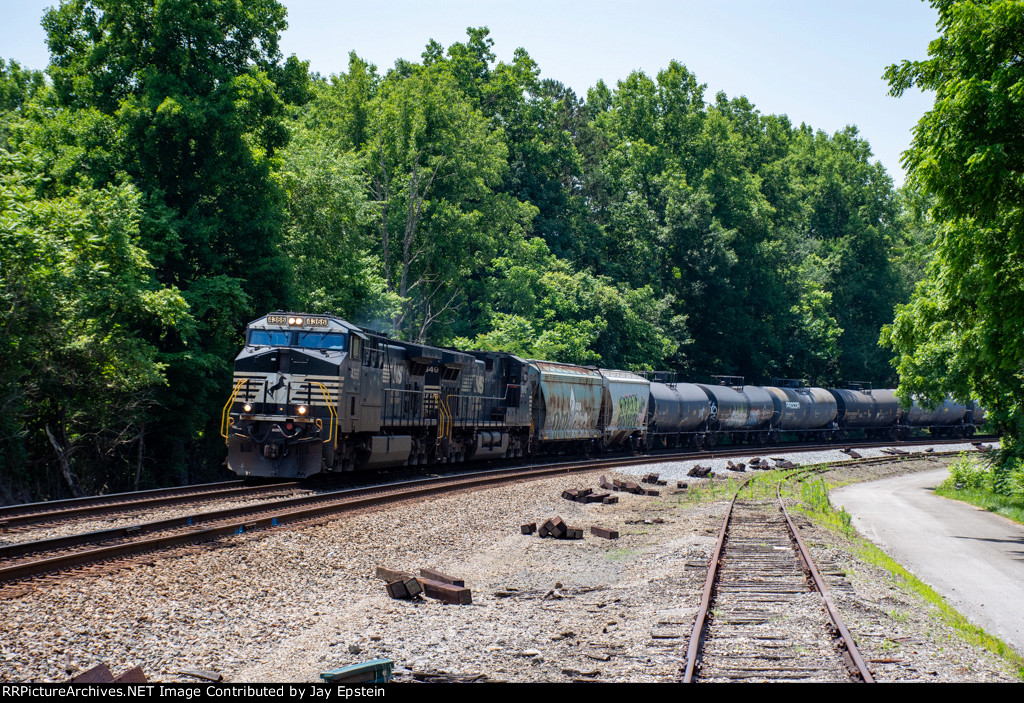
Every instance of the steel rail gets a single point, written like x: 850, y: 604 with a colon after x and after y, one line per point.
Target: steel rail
x: 243, y: 519
x: 42, y: 507
x: 697, y: 635
x: 278, y: 512
x: 193, y: 496
x: 701, y: 621
x: 859, y: 665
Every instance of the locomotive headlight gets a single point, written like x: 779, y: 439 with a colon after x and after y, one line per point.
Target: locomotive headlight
x: 291, y: 320
x: 298, y: 320
x: 302, y: 410
x: 247, y: 408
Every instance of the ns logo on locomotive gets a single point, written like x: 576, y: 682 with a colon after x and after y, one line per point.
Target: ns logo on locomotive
x: 314, y: 394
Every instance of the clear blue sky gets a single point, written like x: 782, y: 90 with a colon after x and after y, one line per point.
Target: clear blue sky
x: 818, y: 61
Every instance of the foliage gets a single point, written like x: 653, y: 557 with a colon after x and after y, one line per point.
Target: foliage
x: 962, y: 332
x: 457, y: 200
x: 333, y: 266
x: 73, y: 284
x: 186, y: 101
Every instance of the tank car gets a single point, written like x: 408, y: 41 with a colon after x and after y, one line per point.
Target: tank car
x: 740, y: 412
x: 874, y: 412
x: 947, y: 419
x: 677, y: 414
x: 802, y: 410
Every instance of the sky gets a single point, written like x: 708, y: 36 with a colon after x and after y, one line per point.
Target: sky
x: 818, y: 61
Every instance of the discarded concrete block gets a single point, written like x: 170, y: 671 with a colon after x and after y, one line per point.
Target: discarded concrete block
x: 456, y: 595
x: 605, y: 533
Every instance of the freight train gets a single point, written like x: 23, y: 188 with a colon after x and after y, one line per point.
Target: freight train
x: 314, y: 394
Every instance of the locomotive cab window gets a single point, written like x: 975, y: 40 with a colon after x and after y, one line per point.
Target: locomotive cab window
x: 324, y: 340
x: 270, y: 338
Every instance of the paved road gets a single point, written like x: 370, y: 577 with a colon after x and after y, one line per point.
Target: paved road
x: 973, y: 558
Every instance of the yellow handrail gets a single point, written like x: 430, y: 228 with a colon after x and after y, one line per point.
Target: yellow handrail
x: 449, y: 418
x: 440, y: 415
x: 334, y: 415
x: 224, y: 413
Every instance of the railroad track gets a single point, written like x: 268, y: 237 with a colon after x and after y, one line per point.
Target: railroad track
x: 766, y: 613
x: 21, y: 517
x: 25, y: 560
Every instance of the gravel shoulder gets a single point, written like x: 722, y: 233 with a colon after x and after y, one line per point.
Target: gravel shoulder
x: 287, y: 604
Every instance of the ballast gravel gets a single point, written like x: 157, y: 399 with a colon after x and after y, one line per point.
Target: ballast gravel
x: 287, y: 604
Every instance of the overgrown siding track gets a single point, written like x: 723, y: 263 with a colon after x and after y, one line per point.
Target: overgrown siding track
x: 766, y: 614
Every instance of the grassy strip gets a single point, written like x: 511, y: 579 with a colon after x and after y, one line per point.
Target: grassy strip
x: 818, y: 508
x: 1008, y: 506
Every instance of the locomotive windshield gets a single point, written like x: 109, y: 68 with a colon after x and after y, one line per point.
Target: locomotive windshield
x: 270, y: 338
x: 324, y: 340
x: 309, y: 340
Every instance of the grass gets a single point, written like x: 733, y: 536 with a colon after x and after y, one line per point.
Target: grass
x: 817, y: 507
x: 1008, y: 506
x: 619, y: 554
x: 970, y: 481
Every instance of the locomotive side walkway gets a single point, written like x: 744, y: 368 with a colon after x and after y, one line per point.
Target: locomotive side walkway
x: 973, y: 558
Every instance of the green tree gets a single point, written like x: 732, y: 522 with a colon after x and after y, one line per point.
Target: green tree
x: 434, y: 166
x: 189, y: 103
x: 963, y: 332
x: 333, y: 266
x: 77, y: 381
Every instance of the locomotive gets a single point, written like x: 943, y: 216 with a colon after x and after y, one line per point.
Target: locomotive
x: 315, y: 394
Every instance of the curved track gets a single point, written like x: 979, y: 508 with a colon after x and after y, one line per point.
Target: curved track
x: 30, y: 559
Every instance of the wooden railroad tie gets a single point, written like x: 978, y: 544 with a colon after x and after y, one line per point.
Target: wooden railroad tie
x: 603, y: 532
x: 585, y: 495
x: 456, y: 595
x: 436, y: 575
x: 431, y: 583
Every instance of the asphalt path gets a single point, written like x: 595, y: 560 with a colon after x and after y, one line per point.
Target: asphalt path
x: 973, y: 558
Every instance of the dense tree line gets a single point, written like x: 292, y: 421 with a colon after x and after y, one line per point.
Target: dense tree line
x: 174, y: 176
x: 963, y: 331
